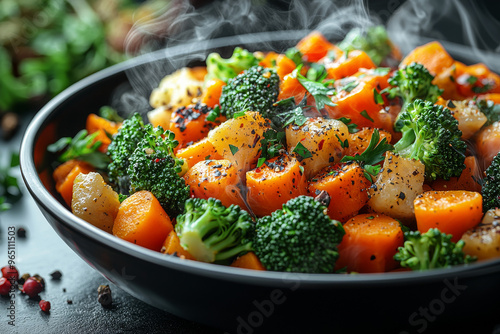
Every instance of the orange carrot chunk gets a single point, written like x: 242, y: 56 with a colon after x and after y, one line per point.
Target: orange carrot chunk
x: 190, y: 124
x: 315, y: 46
x: 452, y: 212
x: 343, y: 67
x: 172, y: 245
x: 359, y: 141
x: 105, y: 128
x: 248, y: 261
x: 142, y: 220
x: 64, y: 176
x: 488, y: 143
x: 477, y: 79
x: 494, y: 97
x: 213, y: 92
x: 432, y: 55
x: 215, y: 178
x: 199, y: 151
x: 284, y: 66
x: 273, y: 184
x: 346, y: 185
x: 369, y: 245
x: 359, y: 104
x: 468, y: 180
x: 291, y: 87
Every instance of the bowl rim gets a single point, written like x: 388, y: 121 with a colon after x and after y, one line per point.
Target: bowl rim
x: 264, y: 278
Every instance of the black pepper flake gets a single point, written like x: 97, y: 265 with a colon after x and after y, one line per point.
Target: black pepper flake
x: 217, y: 166
x: 217, y: 172
x: 56, y: 275
x: 255, y: 141
x: 331, y: 159
x: 451, y: 104
x: 373, y: 257
x: 402, y: 195
x: 104, y: 295
x: 21, y: 232
x: 69, y: 301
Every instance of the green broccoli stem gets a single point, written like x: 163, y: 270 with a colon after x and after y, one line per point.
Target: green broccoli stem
x: 205, y: 224
x: 232, y: 252
x: 422, y: 255
x: 404, y: 145
x: 435, y: 256
x: 227, y: 239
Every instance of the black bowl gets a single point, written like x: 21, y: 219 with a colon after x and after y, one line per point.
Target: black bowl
x: 239, y: 300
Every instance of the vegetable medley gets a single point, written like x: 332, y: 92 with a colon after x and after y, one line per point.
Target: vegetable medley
x: 328, y: 158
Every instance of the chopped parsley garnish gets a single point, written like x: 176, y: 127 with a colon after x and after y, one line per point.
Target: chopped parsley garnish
x: 343, y: 144
x: 82, y: 147
x: 271, y: 144
x: 364, y: 113
x: 381, y: 71
x: 377, y: 97
x: 302, y: 151
x: 352, y: 127
x: 239, y: 114
x: 373, y: 154
x: 350, y: 86
x: 471, y: 80
x: 294, y: 55
x: 213, y: 114
x: 321, y: 91
x: 233, y: 149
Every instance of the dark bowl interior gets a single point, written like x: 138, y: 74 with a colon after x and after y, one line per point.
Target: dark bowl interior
x: 232, y: 299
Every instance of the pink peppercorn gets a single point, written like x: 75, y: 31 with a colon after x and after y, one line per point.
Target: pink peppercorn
x: 44, y: 305
x: 32, y: 287
x: 4, y: 286
x: 10, y: 273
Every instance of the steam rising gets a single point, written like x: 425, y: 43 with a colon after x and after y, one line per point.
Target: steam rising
x: 466, y: 30
x: 180, y: 25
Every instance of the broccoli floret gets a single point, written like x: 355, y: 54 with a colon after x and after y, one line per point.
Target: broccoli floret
x: 374, y: 41
x: 154, y: 167
x: 431, y: 134
x: 491, y: 185
x: 413, y: 82
x: 430, y: 250
x: 255, y: 89
x: 225, y: 69
x: 300, y: 237
x: 121, y: 148
x: 213, y: 233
